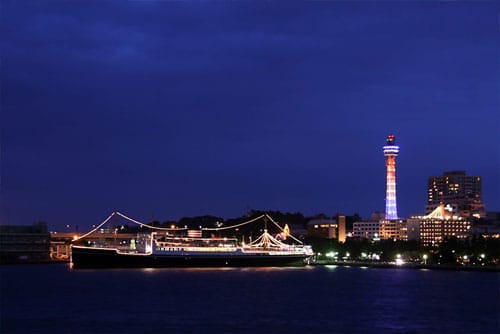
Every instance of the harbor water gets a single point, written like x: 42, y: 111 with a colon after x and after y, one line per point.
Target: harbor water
x: 317, y: 299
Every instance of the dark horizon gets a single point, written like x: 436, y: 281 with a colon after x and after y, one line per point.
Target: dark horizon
x: 165, y: 110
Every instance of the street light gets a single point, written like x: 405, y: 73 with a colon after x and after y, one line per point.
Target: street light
x: 425, y: 258
x: 330, y: 254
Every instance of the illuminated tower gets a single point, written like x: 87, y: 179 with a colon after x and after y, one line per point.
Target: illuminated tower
x: 391, y: 151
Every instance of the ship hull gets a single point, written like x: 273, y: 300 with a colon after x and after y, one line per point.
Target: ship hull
x: 86, y: 257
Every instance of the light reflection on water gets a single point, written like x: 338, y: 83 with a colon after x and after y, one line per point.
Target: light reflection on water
x: 215, y: 269
x: 330, y: 267
x: 326, y: 299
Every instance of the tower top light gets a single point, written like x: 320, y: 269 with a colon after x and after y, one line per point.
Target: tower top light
x: 391, y: 149
x: 391, y: 139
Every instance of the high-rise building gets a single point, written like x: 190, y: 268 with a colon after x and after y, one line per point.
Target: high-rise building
x: 458, y: 190
x: 391, y: 151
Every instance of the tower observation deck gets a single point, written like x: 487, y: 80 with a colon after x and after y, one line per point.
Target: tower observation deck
x: 391, y: 151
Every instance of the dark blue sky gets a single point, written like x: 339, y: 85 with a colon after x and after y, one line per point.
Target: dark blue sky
x: 172, y: 109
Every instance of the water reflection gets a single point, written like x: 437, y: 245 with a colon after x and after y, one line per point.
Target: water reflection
x: 220, y: 269
x: 311, y: 299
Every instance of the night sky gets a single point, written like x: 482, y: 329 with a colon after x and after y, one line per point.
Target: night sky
x: 168, y: 109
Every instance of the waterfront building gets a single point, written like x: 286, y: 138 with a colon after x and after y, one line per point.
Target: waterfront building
x: 328, y: 228
x: 486, y: 230
x: 322, y: 228
x: 488, y: 227
x: 366, y: 229
x: 341, y: 236
x: 393, y: 229
x: 433, y: 228
x: 380, y: 230
x: 455, y: 188
x: 391, y: 151
x: 24, y: 244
